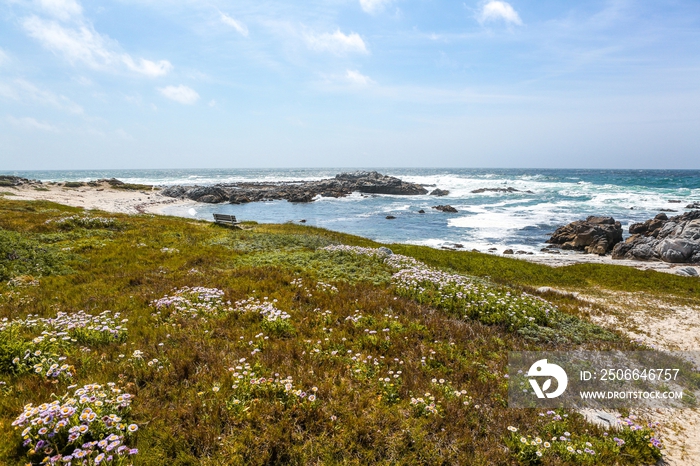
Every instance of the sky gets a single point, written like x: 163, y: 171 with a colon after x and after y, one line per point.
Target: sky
x: 349, y: 83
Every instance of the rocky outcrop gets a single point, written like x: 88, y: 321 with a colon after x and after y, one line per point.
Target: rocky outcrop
x: 298, y: 191
x: 439, y: 192
x: 694, y: 205
x: 498, y: 190
x: 675, y: 239
x: 445, y: 208
x: 595, y: 235
x: 7, y: 180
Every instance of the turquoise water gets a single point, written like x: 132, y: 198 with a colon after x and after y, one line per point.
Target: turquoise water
x: 519, y: 220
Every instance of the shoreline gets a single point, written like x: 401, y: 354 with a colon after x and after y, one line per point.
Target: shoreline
x: 126, y: 201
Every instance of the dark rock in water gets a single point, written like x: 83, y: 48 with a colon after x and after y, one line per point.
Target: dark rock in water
x: 445, y: 208
x: 674, y: 201
x: 300, y: 197
x: 694, y: 205
x: 303, y: 220
x: 496, y: 190
x: 421, y: 211
x: 299, y: 191
x: 687, y: 272
x: 390, y: 217
x: 439, y: 192
x: 595, y: 235
x: 208, y: 194
x: 457, y: 245
x: 668, y: 210
x: 521, y: 252
x: 675, y: 239
x: 508, y: 251
x: 376, y: 183
x: 493, y: 249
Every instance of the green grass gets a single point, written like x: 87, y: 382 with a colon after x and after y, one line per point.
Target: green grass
x: 185, y: 365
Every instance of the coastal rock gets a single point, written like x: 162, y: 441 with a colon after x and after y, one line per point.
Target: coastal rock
x: 595, y: 235
x: 7, y: 181
x: 694, y: 205
x: 499, y: 190
x: 675, y: 239
x: 508, y: 251
x: 342, y: 185
x: 421, y: 211
x: 439, y: 192
x: 650, y: 227
x: 687, y: 272
x: 390, y: 217
x: 445, y: 208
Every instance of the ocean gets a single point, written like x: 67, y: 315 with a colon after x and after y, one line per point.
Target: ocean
x: 520, y: 220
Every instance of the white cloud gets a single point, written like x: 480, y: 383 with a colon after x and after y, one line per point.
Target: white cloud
x: 212, y: 103
x: 61, y: 9
x: 336, y: 42
x: 237, y: 25
x: 373, y: 6
x: 80, y: 43
x: 148, y: 67
x: 181, y: 94
x: 357, y: 78
x: 495, y: 10
x: 31, y: 123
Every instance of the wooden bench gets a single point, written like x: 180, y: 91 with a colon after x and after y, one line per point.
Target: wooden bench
x: 225, y: 219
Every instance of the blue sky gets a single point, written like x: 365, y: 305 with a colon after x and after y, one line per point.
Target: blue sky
x: 426, y: 83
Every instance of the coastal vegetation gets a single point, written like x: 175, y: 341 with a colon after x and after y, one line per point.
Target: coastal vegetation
x: 152, y: 340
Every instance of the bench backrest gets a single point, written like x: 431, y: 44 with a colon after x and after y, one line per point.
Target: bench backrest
x: 224, y: 218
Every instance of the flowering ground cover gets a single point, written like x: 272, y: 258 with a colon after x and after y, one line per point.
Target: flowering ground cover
x: 168, y: 341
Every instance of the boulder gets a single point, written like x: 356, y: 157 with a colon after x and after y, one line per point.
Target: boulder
x: 595, y: 235
x: 390, y: 217
x: 439, y: 192
x: 445, y: 208
x: 694, y: 205
x: 421, y: 211
x: 687, y: 272
x: 675, y: 239
x: 508, y: 251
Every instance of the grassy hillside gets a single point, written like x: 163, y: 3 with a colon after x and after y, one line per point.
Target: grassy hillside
x: 164, y: 340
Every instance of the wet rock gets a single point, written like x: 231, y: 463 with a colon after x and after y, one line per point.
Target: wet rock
x: 595, y: 235
x: 458, y: 246
x: 674, y: 201
x: 390, y: 217
x: 421, y: 211
x: 508, y: 251
x: 694, y: 205
x: 299, y: 191
x: 303, y: 220
x: 439, y: 192
x: 445, y: 208
x: 496, y: 190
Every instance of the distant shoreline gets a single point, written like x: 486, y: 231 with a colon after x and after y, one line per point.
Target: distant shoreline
x: 104, y: 197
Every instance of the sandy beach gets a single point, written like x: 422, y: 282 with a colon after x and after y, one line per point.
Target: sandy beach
x: 100, y: 197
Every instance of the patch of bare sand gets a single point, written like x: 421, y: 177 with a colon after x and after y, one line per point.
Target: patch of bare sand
x: 671, y: 324
x: 101, y: 197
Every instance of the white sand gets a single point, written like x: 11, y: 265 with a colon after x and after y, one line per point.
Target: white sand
x: 102, y: 197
